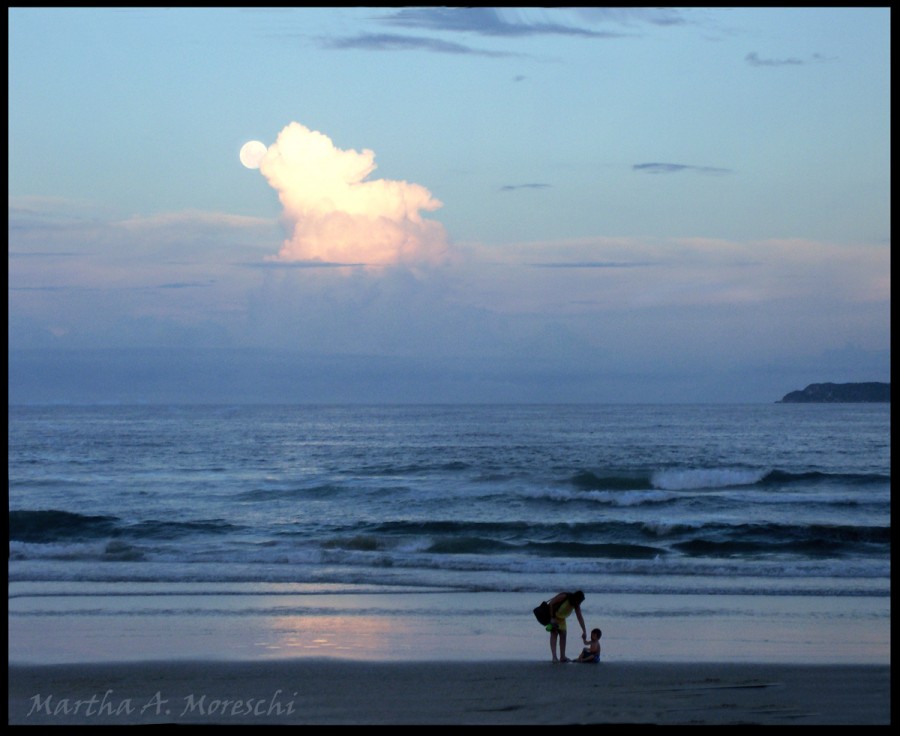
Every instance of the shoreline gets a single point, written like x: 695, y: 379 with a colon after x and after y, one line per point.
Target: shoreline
x: 331, y: 691
x: 63, y: 623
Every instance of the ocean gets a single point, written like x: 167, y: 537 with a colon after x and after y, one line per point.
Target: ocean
x: 282, y: 512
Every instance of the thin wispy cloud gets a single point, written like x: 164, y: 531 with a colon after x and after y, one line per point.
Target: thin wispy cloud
x: 22, y: 219
x: 53, y: 288
x: 108, y: 288
x: 510, y: 23
x: 534, y: 185
x: 185, y: 285
x: 639, y: 273
x: 41, y: 254
x: 634, y: 16
x: 589, y: 264
x: 395, y: 42
x: 57, y: 207
x: 669, y: 168
x: 489, y: 22
x: 191, y: 218
x: 753, y: 59
x: 301, y: 264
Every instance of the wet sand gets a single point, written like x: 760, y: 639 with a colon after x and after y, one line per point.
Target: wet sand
x: 331, y: 691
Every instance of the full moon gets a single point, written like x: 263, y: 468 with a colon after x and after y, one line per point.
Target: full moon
x: 252, y: 153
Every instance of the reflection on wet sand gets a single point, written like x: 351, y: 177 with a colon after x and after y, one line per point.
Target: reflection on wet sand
x: 336, y: 636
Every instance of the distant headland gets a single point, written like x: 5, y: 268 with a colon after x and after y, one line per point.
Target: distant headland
x: 835, y: 393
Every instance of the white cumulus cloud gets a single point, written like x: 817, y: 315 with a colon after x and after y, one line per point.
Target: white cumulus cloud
x: 335, y: 214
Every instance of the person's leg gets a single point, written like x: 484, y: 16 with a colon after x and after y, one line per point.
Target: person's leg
x: 553, y: 634
x: 562, y: 645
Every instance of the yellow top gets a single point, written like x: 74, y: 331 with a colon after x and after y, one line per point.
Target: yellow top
x: 563, y: 610
x: 560, y: 614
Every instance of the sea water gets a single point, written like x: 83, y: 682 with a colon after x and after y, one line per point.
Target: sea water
x: 277, y: 513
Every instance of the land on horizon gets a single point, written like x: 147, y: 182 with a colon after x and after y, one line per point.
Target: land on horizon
x: 840, y: 393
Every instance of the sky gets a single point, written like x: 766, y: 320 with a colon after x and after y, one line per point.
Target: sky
x: 630, y: 205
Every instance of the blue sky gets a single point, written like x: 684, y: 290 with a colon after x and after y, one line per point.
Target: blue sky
x: 566, y: 204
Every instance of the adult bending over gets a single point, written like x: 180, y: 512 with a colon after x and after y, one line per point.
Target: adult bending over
x: 561, y: 605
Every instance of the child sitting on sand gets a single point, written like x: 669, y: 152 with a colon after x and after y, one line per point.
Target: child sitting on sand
x: 591, y: 653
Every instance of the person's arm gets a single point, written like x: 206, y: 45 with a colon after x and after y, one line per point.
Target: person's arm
x: 581, y: 621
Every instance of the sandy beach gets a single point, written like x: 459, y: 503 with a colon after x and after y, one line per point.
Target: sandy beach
x: 140, y: 653
x: 324, y: 691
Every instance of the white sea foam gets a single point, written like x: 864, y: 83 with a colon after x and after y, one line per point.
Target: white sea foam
x: 698, y: 478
